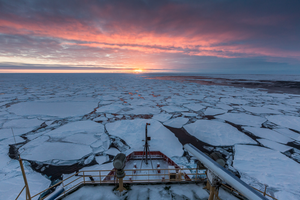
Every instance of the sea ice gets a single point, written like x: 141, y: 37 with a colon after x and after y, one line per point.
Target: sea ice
x: 140, y: 110
x: 285, y: 121
x: 268, y: 134
x: 274, y: 145
x: 7, y: 132
x: 260, y: 110
x: 288, y: 133
x: 188, y: 114
x: 10, y: 188
x: 242, y: 119
x: 77, y: 127
x: 269, y: 167
x: 112, y: 108
x: 101, y: 159
x: 101, y: 118
x: 213, y: 111
x: 57, y: 109
x: 81, y: 138
x: 176, y: 122
x: 194, y: 106
x: 11, y: 140
x: 112, y: 151
x: 232, y: 100
x: 22, y: 123
x: 224, y: 106
x: 217, y: 133
x: 281, y: 107
x: 173, y: 109
x: 162, y: 117
x: 48, y: 151
x: 133, y: 132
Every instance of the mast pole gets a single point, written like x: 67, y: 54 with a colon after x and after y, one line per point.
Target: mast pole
x: 146, y: 144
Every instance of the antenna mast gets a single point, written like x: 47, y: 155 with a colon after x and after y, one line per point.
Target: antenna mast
x: 146, y: 148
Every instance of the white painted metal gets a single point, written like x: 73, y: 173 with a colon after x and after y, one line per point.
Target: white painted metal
x: 224, y: 174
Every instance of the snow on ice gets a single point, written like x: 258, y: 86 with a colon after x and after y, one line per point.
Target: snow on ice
x: 133, y: 133
x: 291, y: 122
x: 268, y: 134
x: 214, y: 111
x: 217, y: 133
x: 266, y: 166
x: 176, y: 122
x: 242, y: 119
x: 84, y: 113
x: 56, y: 109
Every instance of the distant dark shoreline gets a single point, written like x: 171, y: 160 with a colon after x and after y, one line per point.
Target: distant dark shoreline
x: 272, y: 86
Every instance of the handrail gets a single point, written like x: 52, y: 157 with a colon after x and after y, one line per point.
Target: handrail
x: 100, y: 174
x: 20, y: 192
x: 192, y: 173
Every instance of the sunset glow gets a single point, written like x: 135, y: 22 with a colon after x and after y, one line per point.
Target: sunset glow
x: 162, y: 36
x: 138, y: 71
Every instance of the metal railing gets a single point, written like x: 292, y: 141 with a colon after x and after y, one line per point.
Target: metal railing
x: 102, y: 177
x: 94, y: 177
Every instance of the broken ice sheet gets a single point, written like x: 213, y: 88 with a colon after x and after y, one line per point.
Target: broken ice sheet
x: 268, y: 134
x: 288, y: 133
x: 162, y: 117
x: 217, y: 133
x: 269, y: 167
x: 176, y: 122
x: 48, y: 151
x: 49, y: 108
x: 260, y: 110
x: 133, y: 133
x: 174, y: 109
x: 274, y: 145
x: 285, y: 121
x: 242, y: 119
x: 213, y: 111
x: 77, y: 127
x: 194, y: 106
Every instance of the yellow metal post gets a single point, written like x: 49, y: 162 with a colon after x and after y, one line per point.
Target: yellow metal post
x: 212, y: 193
x: 121, y: 187
x: 28, y: 197
x: 265, y: 190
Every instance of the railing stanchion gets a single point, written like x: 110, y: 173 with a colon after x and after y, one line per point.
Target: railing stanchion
x: 100, y: 175
x: 83, y: 177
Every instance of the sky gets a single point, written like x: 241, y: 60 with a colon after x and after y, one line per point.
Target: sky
x: 150, y: 36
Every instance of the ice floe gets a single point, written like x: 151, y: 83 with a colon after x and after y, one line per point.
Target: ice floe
x: 176, y: 122
x: 57, y: 109
x: 217, y: 133
x: 214, y: 111
x: 242, y: 119
x: 48, y: 151
x: 260, y: 110
x: 268, y: 134
x: 173, y: 109
x: 80, y: 138
x: 77, y: 127
x: 162, y: 117
x: 274, y: 145
x: 133, y: 133
x: 288, y: 133
x: 285, y: 121
x: 26, y: 104
x: 194, y: 106
x: 266, y: 166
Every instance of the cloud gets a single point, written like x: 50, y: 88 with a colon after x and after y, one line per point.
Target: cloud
x: 134, y: 32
